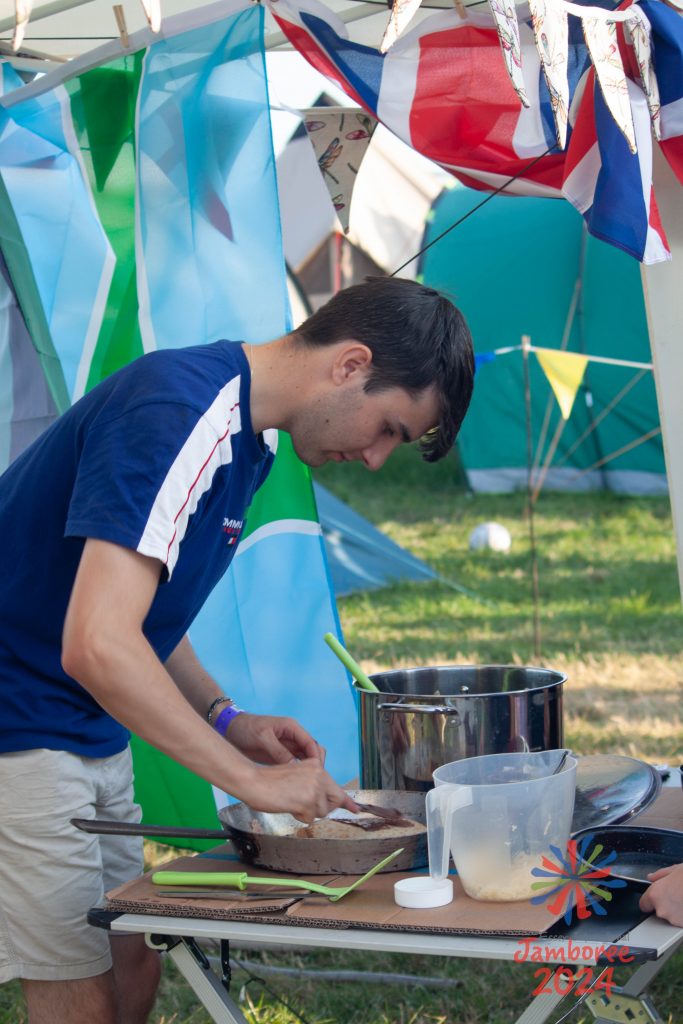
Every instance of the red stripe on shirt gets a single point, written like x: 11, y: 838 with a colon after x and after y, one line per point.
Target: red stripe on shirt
x: 196, y: 479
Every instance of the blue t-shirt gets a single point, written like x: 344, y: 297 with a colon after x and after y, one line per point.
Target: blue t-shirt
x: 161, y: 457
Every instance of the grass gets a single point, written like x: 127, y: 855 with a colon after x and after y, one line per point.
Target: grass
x: 611, y: 620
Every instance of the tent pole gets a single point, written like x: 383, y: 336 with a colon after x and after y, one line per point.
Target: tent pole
x: 664, y: 308
x: 526, y: 344
x: 46, y: 11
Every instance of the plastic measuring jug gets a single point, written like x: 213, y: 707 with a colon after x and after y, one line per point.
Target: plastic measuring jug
x: 499, y: 815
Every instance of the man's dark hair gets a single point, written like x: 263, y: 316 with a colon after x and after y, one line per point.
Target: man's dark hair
x: 417, y: 338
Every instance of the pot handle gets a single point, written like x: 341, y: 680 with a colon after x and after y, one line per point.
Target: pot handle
x: 103, y: 826
x: 429, y: 709
x: 442, y: 803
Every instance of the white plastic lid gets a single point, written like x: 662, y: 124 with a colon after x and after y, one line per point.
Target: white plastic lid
x: 422, y: 891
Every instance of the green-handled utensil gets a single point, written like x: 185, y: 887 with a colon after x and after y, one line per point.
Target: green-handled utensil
x: 241, y: 879
x: 354, y: 668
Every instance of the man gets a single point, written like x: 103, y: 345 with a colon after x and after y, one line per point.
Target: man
x: 113, y: 536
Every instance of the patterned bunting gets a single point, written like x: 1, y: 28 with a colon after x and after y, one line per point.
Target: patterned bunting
x: 638, y: 34
x: 551, y: 34
x: 340, y: 138
x: 603, y: 46
x: 153, y: 13
x: 507, y: 27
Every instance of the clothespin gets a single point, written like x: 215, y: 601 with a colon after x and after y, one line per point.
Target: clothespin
x: 121, y: 24
x: 460, y: 8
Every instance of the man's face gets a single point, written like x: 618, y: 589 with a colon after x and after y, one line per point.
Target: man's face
x: 347, y: 425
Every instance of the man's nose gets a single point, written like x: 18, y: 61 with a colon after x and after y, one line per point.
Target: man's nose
x: 375, y: 455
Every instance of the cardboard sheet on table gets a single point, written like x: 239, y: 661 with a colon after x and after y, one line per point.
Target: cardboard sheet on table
x: 372, y: 906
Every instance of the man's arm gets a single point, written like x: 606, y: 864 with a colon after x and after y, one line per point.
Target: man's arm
x: 104, y: 649
x: 268, y: 739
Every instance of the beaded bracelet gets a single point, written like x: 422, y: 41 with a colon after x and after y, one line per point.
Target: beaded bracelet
x: 214, y: 704
x: 225, y: 718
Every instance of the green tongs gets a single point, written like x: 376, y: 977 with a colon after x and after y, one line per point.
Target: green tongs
x: 241, y: 879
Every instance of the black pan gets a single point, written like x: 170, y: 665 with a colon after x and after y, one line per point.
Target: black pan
x: 639, y: 850
x: 274, y: 841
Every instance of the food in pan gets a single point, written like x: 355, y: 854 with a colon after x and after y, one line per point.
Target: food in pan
x: 361, y: 827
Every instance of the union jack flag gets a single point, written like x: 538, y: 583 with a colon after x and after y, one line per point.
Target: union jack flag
x: 444, y: 89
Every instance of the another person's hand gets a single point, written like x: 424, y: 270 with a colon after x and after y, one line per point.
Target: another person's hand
x: 665, y: 894
x: 302, y: 788
x: 270, y: 739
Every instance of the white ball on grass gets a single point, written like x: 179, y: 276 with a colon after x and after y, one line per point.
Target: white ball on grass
x: 493, y: 536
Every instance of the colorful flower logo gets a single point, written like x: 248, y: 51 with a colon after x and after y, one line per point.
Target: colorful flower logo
x: 571, y: 880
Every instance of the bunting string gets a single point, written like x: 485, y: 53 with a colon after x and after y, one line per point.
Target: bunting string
x: 608, y: 360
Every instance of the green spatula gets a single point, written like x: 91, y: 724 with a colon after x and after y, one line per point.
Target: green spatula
x: 350, y: 663
x: 241, y: 879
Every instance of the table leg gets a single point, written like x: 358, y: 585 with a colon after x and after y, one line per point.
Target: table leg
x: 196, y: 969
x: 540, y: 1008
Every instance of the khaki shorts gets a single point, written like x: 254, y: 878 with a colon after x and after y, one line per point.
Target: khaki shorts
x: 50, y: 872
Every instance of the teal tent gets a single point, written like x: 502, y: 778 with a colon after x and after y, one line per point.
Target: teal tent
x: 525, y: 266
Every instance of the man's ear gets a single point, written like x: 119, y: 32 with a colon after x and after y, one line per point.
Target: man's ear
x: 350, y: 358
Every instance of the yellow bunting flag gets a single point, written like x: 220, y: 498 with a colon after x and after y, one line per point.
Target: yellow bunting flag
x: 564, y: 371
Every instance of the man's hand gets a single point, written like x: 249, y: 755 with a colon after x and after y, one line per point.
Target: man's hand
x: 302, y: 788
x: 273, y: 740
x: 665, y: 894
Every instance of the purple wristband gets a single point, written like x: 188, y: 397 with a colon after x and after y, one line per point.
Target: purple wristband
x: 225, y: 718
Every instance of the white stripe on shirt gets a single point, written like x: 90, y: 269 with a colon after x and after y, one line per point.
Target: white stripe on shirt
x: 207, y: 448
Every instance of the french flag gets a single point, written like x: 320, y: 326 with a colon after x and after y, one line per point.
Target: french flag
x: 443, y: 88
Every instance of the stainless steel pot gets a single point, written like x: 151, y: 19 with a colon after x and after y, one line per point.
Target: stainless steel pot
x: 425, y: 717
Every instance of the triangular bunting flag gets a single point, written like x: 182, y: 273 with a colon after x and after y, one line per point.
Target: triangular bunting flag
x: 637, y: 30
x: 552, y: 40
x: 603, y: 46
x: 22, y: 12
x: 153, y: 13
x: 564, y: 371
x: 340, y: 138
x: 401, y: 13
x: 507, y: 27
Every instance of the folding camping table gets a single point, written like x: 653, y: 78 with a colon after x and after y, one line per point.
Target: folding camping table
x: 648, y: 940
x: 651, y: 943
